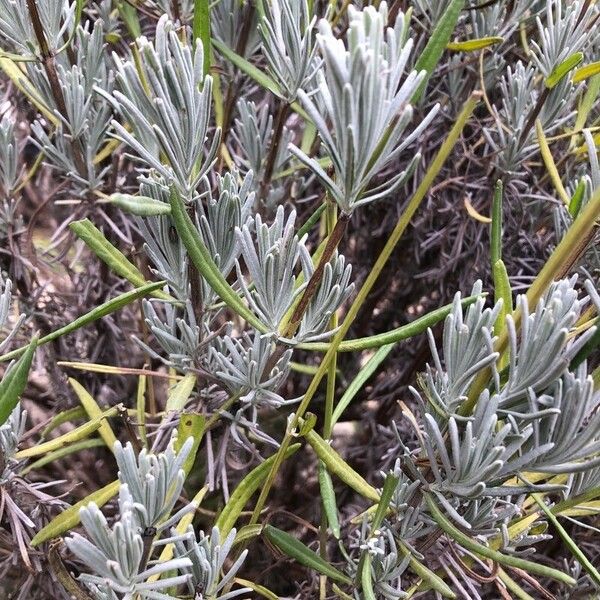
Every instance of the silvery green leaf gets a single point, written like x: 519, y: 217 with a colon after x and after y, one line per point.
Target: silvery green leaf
x: 542, y: 351
x: 271, y: 256
x: 154, y: 481
x: 16, y: 29
x: 287, y: 32
x: 207, y: 555
x: 241, y: 366
x: 168, y: 107
x: 364, y: 94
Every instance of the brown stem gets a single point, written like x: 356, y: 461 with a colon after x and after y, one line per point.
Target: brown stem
x: 233, y: 89
x: 280, y: 119
x: 313, y: 283
x: 50, y: 68
x: 194, y: 278
x: 537, y: 109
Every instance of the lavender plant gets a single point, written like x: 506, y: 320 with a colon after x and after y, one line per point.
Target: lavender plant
x: 295, y: 190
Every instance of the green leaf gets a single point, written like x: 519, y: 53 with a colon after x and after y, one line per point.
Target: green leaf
x: 14, y: 381
x: 190, y: 425
x: 61, y: 453
x: 94, y: 239
x: 581, y: 558
x: 361, y: 378
x: 69, y: 518
x: 336, y: 465
x: 71, y: 414
x: 561, y: 70
x: 502, y: 291
x: 472, y: 45
x: 181, y: 393
x: 249, y: 69
x: 203, y: 261
x: 93, y: 315
x: 550, y: 164
x: 201, y: 29
x: 295, y: 549
x: 437, y: 43
x: 427, y: 575
x: 130, y: 17
x: 496, y: 229
x: 244, y: 491
x: 387, y: 493
x: 142, y: 206
x: 586, y: 72
x: 504, y: 559
x: 366, y: 577
x: 577, y: 199
x: 261, y: 590
x: 328, y: 500
x: 405, y: 332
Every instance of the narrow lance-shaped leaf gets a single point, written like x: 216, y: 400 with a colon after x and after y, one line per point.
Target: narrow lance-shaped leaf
x: 93, y: 315
x: 244, y: 491
x: 94, y: 412
x: 69, y: 518
x: 94, y: 239
x: 504, y: 559
x: 201, y: 29
x: 336, y: 465
x: 75, y: 435
x: 181, y: 393
x: 328, y: 500
x: 438, y: 41
x: 14, y: 381
x: 581, y: 558
x: 399, y: 334
x: 295, y: 549
x: 203, y: 261
x: 190, y: 425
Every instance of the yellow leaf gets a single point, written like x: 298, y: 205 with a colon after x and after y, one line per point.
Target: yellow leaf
x: 474, y: 214
x: 75, y: 435
x: 472, y: 45
x: 586, y: 72
x: 95, y: 412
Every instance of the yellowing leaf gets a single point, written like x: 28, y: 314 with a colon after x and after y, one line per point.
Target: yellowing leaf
x: 586, y: 72
x: 95, y: 412
x: 474, y: 214
x: 472, y: 45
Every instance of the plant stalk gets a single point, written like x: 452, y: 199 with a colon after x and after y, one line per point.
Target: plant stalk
x: 393, y: 240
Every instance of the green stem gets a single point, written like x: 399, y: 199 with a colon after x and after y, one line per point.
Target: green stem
x: 470, y: 544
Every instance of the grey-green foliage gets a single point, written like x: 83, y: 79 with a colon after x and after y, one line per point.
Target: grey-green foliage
x: 539, y: 416
x: 11, y: 432
x: 121, y: 557
x: 229, y: 18
x: 9, y: 326
x: 562, y: 31
x: 167, y: 104
x: 115, y: 556
x: 387, y: 564
x: 252, y: 136
x: 208, y: 554
x: 66, y: 83
x: 9, y: 154
x: 288, y: 42
x: 16, y: 27
x: 362, y: 108
x: 83, y: 130
x: 154, y: 481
